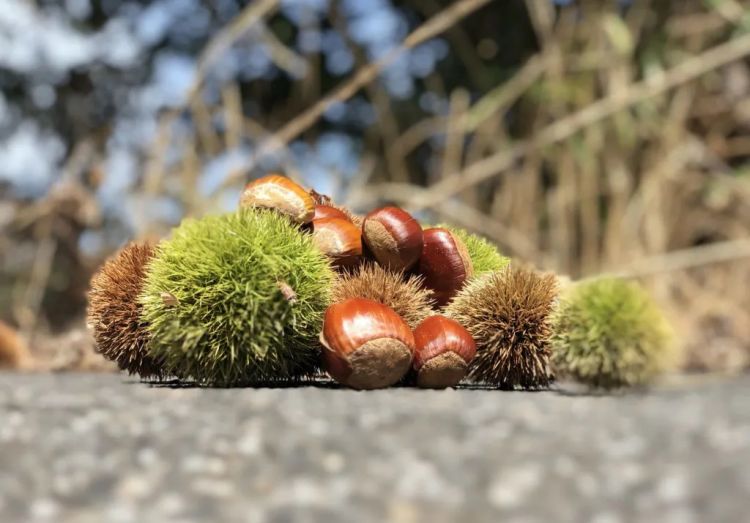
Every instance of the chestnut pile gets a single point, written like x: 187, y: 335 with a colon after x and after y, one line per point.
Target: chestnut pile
x: 367, y: 345
x: 292, y: 283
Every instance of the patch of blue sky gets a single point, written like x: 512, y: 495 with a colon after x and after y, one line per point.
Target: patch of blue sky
x: 320, y: 178
x: 336, y: 112
x: 309, y: 41
x: 270, y: 161
x: 78, y: 9
x: 398, y: 78
x: 154, y: 21
x: 192, y: 24
x: 363, y: 7
x: 361, y: 113
x: 340, y: 61
x: 172, y: 76
x: 356, y: 112
x: 258, y: 61
x: 378, y: 31
x: 439, y: 46
x: 333, y: 158
x: 43, y: 96
x: 92, y: 242
x: 132, y: 132
x: 216, y: 170
x: 120, y: 174
x: 228, y: 199
x: 422, y: 60
x: 181, y: 20
x: 43, y: 42
x: 225, y: 9
x: 338, y: 151
x: 431, y: 102
x: 30, y: 159
x: 331, y: 40
x: 231, y: 65
x: 300, y: 11
x: 33, y: 41
x: 144, y: 210
x: 399, y: 85
x: 118, y: 48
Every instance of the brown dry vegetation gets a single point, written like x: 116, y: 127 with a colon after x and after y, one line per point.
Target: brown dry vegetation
x: 13, y: 351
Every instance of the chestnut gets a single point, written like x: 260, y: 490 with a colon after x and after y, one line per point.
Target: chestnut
x: 281, y: 194
x: 339, y: 239
x: 367, y: 345
x: 327, y: 211
x: 394, y: 237
x: 443, y: 352
x: 444, y: 263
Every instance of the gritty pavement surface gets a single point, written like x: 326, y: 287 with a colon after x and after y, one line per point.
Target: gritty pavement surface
x: 93, y: 448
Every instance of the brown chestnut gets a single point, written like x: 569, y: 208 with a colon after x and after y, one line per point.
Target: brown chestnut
x: 394, y: 237
x: 281, y: 194
x: 327, y: 211
x: 339, y: 239
x: 444, y: 350
x: 444, y: 263
x: 367, y: 345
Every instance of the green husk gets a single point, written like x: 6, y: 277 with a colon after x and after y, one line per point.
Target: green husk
x: 485, y: 256
x: 609, y: 333
x: 237, y: 299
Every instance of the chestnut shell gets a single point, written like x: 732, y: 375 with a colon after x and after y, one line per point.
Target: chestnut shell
x: 444, y: 263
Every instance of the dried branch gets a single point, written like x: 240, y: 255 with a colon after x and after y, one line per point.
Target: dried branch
x: 566, y: 127
x: 366, y: 74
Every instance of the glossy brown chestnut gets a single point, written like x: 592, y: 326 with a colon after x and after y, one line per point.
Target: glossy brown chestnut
x: 281, y: 194
x: 367, y: 345
x: 393, y: 237
x: 339, y: 239
x: 444, y: 350
x: 444, y: 263
x: 326, y: 211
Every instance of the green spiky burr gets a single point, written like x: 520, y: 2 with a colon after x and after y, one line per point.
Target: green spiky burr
x: 237, y: 299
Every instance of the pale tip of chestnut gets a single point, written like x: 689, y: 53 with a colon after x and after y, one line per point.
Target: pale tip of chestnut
x: 280, y: 194
x: 442, y: 371
x: 443, y: 351
x: 339, y: 239
x: 377, y: 364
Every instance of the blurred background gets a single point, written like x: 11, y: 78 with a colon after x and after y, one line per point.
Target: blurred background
x: 581, y: 136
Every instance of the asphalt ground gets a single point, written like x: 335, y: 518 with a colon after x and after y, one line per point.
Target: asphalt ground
x: 100, y: 447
